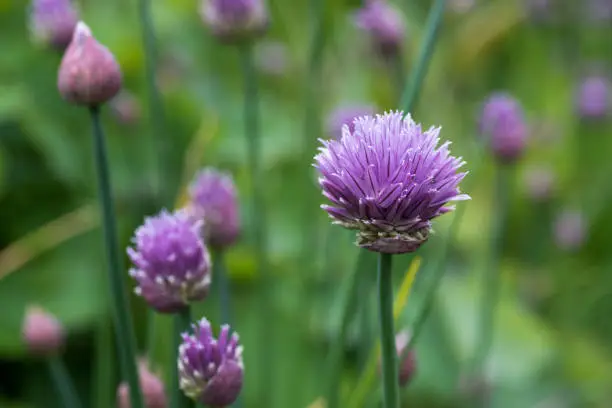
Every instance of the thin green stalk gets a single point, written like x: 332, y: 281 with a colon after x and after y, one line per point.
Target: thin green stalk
x: 182, y: 323
x: 61, y: 379
x: 415, y: 82
x: 103, y: 377
x: 223, y: 287
x: 335, y: 357
x: 156, y: 109
x: 387, y: 332
x: 151, y: 332
x: 491, y: 276
x: 258, y: 216
x: 126, y: 343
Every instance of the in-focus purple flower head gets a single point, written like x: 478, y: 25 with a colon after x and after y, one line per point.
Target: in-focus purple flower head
x: 171, y: 263
x: 42, y: 333
x: 52, y: 22
x: 235, y: 20
x: 384, y: 24
x: 570, y: 230
x: 346, y: 115
x: 88, y: 74
x: 593, y: 98
x: 503, y: 122
x: 388, y: 179
x: 211, y: 370
x: 212, y: 197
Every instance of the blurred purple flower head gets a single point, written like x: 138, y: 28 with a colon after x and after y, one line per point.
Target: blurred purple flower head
x: 540, y: 183
x: 88, y: 74
x: 593, y: 97
x: 42, y: 333
x: 388, y: 179
x: 384, y: 24
x: 211, y: 370
x: 570, y: 230
x: 152, y: 389
x: 599, y: 10
x: 503, y: 122
x: 539, y: 10
x: 52, y: 22
x: 346, y: 115
x: 213, y: 198
x: 271, y: 57
x: 125, y: 108
x: 233, y: 20
x: 172, y: 265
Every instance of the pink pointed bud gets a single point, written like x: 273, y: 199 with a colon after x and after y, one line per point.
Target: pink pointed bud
x: 89, y: 74
x: 152, y: 389
x: 406, y: 365
x: 42, y: 332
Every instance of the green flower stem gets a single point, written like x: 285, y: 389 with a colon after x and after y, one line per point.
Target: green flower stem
x: 415, y: 82
x: 182, y: 323
x: 387, y: 332
x: 103, y: 376
x: 126, y: 343
x: 491, y: 274
x: 258, y: 216
x: 335, y: 358
x: 61, y: 379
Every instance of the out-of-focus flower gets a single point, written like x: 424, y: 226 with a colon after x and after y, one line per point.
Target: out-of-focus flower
x: 211, y: 370
x: 125, y: 108
x: 213, y: 198
x: 384, y: 24
x: 539, y: 10
x: 232, y: 20
x: 271, y: 57
x: 346, y: 115
x: 407, y: 365
x: 503, y: 122
x: 172, y: 265
x: 52, y: 22
x: 89, y: 74
x: 593, y: 97
x: 570, y: 230
x: 388, y: 179
x: 540, y: 183
x: 42, y: 333
x: 150, y: 384
x: 599, y: 10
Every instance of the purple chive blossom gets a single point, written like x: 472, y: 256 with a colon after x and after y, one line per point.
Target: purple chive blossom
x: 346, y: 115
x: 388, y: 179
x: 570, y: 230
x: 52, y: 22
x: 171, y: 262
x: 384, y: 24
x: 42, y: 333
x: 213, y: 197
x: 211, y: 370
x: 503, y: 123
x: 593, y: 97
x: 235, y: 19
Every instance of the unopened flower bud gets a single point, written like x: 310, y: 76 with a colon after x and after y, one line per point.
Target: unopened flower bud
x: 384, y: 24
x: 152, y: 389
x: 593, y: 99
x: 539, y: 183
x: 235, y: 20
x: 570, y: 230
x: 503, y: 123
x: 52, y: 22
x: 407, y: 365
x: 346, y: 115
x: 42, y: 332
x: 211, y: 369
x: 89, y: 74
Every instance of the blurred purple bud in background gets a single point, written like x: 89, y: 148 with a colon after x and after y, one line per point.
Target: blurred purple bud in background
x: 502, y: 121
x: 539, y: 183
x: 89, y: 74
x: 172, y: 265
x: 388, y: 179
x: 152, y: 389
x: 407, y: 365
x: 593, y: 97
x: 570, y: 230
x: 346, y: 115
x: 211, y: 369
x: 384, y: 24
x: 234, y: 20
x: 42, y: 333
x: 271, y: 57
x: 126, y: 108
x: 213, y: 199
x: 52, y: 22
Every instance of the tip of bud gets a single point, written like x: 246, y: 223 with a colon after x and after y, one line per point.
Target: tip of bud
x: 152, y: 389
x: 42, y: 333
x: 89, y: 74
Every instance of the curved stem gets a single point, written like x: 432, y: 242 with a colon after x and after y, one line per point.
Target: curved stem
x: 387, y: 332
x: 126, y: 343
x: 63, y: 383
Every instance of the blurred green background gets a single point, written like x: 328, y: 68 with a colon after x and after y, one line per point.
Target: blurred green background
x: 554, y: 326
